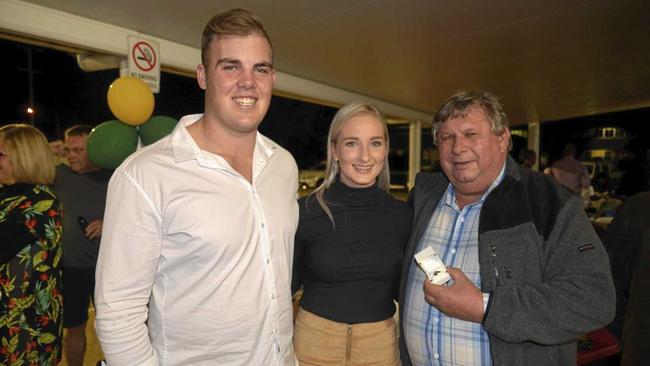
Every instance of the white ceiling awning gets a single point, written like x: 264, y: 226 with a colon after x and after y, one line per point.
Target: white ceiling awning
x: 109, y: 41
x: 547, y: 59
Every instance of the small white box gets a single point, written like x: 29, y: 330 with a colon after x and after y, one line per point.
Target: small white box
x: 432, y: 266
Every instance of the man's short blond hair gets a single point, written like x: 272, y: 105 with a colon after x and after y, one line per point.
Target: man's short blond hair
x: 233, y: 22
x: 30, y: 155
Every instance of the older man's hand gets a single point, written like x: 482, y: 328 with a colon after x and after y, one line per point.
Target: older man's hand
x: 462, y: 300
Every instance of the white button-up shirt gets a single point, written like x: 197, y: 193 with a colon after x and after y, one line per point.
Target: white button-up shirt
x: 201, y: 255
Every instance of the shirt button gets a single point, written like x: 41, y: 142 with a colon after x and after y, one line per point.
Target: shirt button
x: 272, y: 296
x: 461, y: 219
x: 262, y: 224
x: 436, y: 319
x: 453, y: 251
x: 268, y: 261
x: 436, y: 355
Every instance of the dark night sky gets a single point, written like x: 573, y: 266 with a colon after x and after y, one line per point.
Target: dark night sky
x: 66, y: 95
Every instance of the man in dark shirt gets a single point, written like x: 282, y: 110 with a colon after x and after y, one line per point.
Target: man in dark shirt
x: 81, y: 187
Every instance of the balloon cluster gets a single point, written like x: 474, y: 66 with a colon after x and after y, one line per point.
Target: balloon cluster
x: 132, y: 102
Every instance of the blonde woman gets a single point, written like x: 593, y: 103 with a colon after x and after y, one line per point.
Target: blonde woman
x: 31, y: 313
x: 348, y: 249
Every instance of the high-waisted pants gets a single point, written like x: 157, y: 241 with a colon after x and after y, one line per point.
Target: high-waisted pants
x: 322, y: 342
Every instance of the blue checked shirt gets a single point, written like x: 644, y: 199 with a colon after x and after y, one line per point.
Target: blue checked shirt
x: 432, y: 338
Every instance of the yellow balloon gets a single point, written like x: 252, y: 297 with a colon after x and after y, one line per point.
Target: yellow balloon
x: 130, y: 100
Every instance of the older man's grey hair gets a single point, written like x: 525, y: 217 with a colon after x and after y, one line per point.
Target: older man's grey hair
x: 459, y: 105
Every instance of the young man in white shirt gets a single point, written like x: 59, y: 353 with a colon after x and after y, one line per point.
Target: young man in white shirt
x: 195, y: 261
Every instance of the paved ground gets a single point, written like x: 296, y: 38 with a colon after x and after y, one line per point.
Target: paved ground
x: 93, y: 351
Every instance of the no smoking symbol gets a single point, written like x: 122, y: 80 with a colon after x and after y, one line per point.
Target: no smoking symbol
x: 143, y: 56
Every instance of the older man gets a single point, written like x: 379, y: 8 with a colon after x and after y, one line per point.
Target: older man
x: 81, y: 187
x: 530, y: 273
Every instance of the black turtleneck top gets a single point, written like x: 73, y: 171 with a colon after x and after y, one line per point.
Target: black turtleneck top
x: 350, y: 272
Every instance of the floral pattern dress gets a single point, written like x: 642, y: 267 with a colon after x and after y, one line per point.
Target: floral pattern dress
x: 31, y: 311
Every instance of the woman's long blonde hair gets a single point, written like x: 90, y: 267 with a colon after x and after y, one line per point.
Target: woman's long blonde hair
x: 343, y: 115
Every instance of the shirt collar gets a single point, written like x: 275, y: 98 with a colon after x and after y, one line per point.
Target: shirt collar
x: 450, y: 194
x: 183, y: 145
x: 185, y: 148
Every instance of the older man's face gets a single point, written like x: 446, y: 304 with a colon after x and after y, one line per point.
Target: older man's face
x: 77, y: 155
x: 470, y: 154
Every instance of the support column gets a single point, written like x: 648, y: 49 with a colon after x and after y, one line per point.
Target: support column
x: 533, y: 141
x: 415, y: 151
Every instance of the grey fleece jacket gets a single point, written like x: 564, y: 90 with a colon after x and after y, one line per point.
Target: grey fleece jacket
x: 541, y: 261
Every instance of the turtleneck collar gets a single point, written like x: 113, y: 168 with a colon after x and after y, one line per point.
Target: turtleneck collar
x: 340, y: 192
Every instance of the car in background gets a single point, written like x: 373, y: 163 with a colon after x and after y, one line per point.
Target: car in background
x: 312, y: 177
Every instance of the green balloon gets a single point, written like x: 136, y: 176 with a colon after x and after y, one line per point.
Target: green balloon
x: 156, y: 128
x: 110, y: 143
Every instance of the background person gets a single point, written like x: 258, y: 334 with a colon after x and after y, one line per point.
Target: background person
x: 348, y: 252
x: 530, y: 159
x: 569, y: 172
x: 59, y: 152
x: 530, y: 272
x: 634, y: 170
x: 628, y: 240
x: 195, y: 262
x: 31, y: 313
x: 81, y: 187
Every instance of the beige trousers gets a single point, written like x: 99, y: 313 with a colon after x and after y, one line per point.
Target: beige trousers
x: 321, y: 342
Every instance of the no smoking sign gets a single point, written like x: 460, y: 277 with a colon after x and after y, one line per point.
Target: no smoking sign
x: 143, y: 59
x: 144, y: 56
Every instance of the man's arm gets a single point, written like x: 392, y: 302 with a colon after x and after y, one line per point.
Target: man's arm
x: 128, y: 258
x: 575, y: 296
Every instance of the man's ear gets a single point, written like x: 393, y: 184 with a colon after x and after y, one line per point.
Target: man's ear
x: 201, y: 76
x: 504, y: 140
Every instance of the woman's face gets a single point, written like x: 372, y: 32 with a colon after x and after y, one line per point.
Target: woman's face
x: 6, y: 169
x: 361, y: 149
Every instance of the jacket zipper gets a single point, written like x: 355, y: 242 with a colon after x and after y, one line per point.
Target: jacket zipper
x: 493, y: 249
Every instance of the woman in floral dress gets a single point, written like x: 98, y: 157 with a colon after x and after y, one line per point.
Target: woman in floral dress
x: 31, y: 312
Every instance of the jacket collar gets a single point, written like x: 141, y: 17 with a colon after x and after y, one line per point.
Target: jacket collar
x: 512, y: 168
